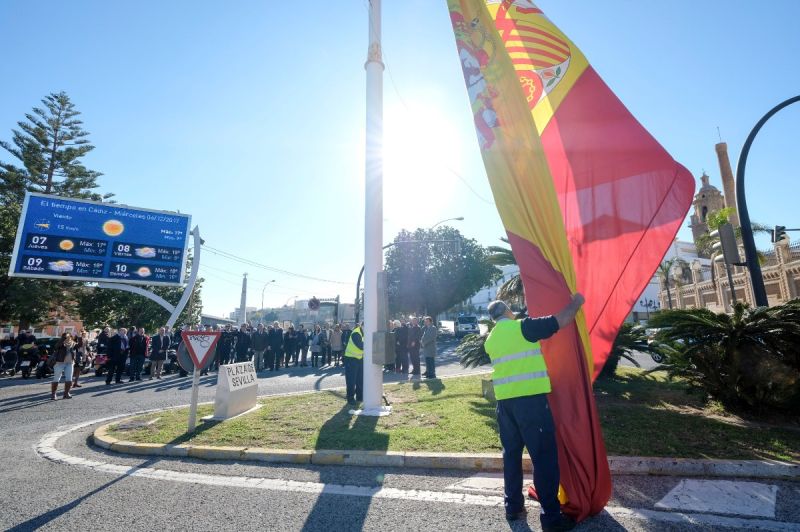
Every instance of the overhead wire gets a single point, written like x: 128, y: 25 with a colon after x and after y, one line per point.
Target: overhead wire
x: 249, y: 262
x: 205, y: 266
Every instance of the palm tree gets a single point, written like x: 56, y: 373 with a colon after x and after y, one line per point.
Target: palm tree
x: 748, y: 360
x: 714, y: 220
x: 665, y: 270
x: 511, y: 291
x: 630, y: 339
x: 471, y: 351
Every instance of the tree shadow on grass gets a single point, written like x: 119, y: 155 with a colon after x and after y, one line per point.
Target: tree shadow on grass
x: 344, y: 431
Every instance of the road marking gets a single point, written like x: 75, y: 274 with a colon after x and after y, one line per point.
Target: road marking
x: 46, y: 448
x: 480, y: 482
x: 704, y: 519
x: 722, y: 497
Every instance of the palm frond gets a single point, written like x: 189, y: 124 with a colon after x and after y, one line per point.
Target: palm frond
x: 512, y: 291
x: 471, y: 351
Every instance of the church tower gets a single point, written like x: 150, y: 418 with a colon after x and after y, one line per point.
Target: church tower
x: 707, y: 200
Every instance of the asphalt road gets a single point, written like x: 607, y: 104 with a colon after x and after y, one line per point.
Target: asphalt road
x: 120, y: 492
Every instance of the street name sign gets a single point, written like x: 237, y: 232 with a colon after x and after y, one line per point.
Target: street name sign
x: 237, y: 390
x: 79, y: 240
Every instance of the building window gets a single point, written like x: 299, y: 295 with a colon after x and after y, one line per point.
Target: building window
x: 704, y: 213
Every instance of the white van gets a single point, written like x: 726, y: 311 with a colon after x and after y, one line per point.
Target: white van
x: 466, y: 325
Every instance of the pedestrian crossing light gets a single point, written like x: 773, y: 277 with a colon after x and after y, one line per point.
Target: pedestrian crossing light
x: 778, y: 233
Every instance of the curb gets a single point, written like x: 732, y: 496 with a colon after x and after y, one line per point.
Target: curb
x: 620, y: 465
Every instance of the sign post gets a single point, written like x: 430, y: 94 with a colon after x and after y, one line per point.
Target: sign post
x: 200, y: 345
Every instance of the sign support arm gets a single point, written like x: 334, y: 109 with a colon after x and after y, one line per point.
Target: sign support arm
x: 176, y: 310
x: 192, y: 278
x: 140, y: 291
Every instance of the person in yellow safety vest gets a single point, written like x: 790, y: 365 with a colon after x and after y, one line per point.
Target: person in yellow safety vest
x: 521, y: 385
x: 354, y: 365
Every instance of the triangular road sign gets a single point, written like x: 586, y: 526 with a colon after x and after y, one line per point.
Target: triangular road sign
x: 200, y: 345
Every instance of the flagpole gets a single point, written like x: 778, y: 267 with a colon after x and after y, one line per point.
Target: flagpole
x: 373, y: 211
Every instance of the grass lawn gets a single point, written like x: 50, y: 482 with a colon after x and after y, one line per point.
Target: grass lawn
x: 641, y: 415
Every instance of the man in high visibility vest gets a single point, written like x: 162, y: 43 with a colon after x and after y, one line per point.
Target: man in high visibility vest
x: 354, y: 365
x: 521, y: 385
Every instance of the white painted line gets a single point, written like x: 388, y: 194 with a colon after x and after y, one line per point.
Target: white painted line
x: 722, y: 497
x: 480, y: 482
x: 46, y: 448
x: 704, y: 519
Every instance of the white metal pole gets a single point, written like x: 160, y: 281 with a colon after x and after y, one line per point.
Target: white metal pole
x: 193, y: 406
x: 373, y: 210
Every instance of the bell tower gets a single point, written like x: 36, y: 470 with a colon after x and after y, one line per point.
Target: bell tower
x: 707, y: 200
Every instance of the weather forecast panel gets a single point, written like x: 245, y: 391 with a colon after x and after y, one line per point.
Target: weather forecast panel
x: 70, y: 239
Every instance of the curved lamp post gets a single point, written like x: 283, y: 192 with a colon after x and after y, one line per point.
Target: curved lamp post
x: 751, y: 257
x: 458, y: 218
x: 262, y: 292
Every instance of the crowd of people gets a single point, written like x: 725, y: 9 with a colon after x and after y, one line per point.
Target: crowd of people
x: 269, y: 347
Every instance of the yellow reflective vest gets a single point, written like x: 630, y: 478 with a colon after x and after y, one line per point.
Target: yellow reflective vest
x: 519, y: 367
x: 352, y: 350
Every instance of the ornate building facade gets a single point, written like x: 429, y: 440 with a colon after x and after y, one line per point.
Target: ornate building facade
x: 699, y: 283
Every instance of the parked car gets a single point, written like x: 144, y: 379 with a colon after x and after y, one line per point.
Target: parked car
x: 466, y: 325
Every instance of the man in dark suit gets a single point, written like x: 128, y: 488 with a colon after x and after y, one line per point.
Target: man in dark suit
x: 414, y: 337
x: 276, y: 345
x: 159, y: 345
x: 401, y: 347
x: 117, y: 354
x: 243, y: 343
x: 138, y: 343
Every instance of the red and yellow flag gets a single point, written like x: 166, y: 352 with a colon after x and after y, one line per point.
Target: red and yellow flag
x: 589, y: 199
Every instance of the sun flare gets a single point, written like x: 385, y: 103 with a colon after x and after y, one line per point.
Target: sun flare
x: 421, y: 149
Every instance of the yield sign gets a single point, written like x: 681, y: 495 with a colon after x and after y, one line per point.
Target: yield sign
x: 200, y: 345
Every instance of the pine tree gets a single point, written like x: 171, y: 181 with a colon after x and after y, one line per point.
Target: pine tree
x: 48, y: 147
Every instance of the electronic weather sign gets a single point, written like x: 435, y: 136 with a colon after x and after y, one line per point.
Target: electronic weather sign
x: 80, y: 240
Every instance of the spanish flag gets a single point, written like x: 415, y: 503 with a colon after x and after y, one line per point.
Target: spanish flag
x: 589, y: 199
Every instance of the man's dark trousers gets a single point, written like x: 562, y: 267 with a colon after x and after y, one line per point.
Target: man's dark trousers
x: 413, y: 354
x: 115, y: 365
x: 401, y: 360
x: 354, y: 378
x: 430, y: 367
x: 137, y: 362
x: 527, y: 422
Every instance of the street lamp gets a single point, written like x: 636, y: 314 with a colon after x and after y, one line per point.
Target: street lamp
x: 649, y: 304
x: 262, y: 292
x: 749, y: 243
x: 459, y: 218
x: 289, y: 299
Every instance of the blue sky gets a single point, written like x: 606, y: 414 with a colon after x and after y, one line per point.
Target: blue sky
x: 250, y: 115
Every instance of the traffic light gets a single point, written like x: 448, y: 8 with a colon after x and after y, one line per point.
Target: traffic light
x: 778, y: 233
